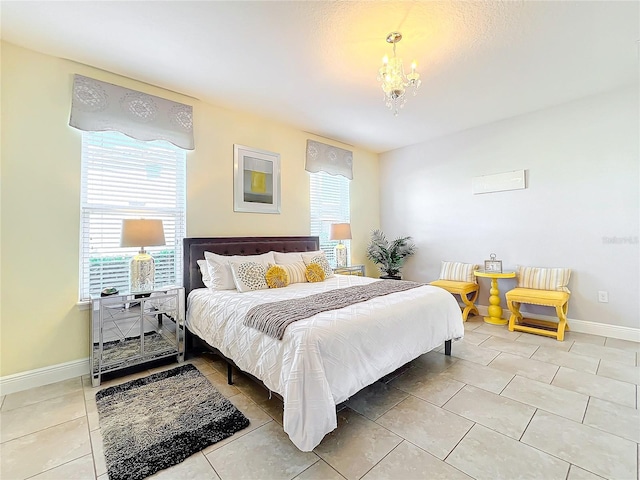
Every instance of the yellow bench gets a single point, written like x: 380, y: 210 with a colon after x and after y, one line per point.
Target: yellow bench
x: 547, y: 298
x: 468, y: 292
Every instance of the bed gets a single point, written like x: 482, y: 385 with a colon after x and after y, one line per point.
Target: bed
x: 323, y: 360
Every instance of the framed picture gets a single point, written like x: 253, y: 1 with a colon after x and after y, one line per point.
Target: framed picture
x: 256, y: 180
x: 493, y: 265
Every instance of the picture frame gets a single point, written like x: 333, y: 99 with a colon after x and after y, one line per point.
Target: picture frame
x: 256, y: 180
x: 493, y: 265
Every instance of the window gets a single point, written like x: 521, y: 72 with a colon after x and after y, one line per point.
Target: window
x: 329, y: 204
x: 127, y: 178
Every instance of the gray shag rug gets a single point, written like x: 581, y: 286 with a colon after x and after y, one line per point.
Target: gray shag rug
x: 155, y: 422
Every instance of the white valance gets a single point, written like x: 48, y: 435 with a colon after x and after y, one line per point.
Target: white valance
x: 326, y: 158
x: 97, y: 106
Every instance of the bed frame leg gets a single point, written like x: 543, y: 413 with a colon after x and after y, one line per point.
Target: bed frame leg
x: 188, y: 343
x: 229, y: 374
x: 447, y: 347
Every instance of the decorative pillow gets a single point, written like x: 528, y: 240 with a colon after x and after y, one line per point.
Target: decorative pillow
x: 220, y: 268
x: 249, y: 276
x: 287, y: 258
x: 204, y: 270
x: 459, y: 272
x: 277, y: 277
x: 296, y: 271
x: 314, y: 273
x: 320, y: 258
x: 544, y: 278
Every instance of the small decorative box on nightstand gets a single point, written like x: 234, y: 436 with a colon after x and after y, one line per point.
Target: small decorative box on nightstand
x: 351, y: 270
x: 128, y: 329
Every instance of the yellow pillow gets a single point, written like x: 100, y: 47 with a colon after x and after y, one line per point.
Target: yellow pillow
x: 277, y: 277
x: 314, y: 273
x: 296, y: 271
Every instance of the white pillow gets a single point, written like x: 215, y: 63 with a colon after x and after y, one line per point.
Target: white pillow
x: 220, y: 268
x: 296, y: 271
x: 204, y: 270
x: 320, y: 258
x: 263, y: 258
x: 219, y: 271
x: 287, y: 258
x: 249, y: 276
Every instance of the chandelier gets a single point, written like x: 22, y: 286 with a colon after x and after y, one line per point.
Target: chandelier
x: 394, y: 82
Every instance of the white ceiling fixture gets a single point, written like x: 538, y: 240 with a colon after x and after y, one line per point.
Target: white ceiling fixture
x: 394, y: 81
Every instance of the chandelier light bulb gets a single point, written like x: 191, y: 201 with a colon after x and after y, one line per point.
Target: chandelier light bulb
x: 393, y: 80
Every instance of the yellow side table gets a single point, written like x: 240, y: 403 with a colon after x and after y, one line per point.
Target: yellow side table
x: 495, y: 310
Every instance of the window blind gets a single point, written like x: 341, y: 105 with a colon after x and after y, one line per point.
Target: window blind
x: 329, y: 204
x: 127, y: 178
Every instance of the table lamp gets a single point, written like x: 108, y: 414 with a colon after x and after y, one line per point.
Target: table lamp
x: 142, y: 233
x: 340, y: 231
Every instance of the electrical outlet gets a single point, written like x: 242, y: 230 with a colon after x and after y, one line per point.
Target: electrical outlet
x: 603, y: 297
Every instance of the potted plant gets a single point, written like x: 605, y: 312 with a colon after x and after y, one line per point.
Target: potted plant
x: 389, y: 256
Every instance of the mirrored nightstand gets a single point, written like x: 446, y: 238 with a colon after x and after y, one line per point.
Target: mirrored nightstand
x: 351, y: 270
x: 128, y: 329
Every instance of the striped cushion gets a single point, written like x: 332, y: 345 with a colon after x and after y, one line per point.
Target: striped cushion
x: 296, y: 272
x: 459, y: 272
x: 544, y: 278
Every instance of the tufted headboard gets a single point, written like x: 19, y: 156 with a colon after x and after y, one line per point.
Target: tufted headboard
x: 194, y: 248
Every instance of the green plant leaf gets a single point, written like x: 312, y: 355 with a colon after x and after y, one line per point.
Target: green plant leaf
x: 389, y: 256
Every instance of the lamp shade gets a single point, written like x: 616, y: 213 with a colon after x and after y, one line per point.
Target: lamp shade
x: 340, y: 231
x: 142, y: 233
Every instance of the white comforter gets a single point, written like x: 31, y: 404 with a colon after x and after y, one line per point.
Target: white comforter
x: 324, y: 359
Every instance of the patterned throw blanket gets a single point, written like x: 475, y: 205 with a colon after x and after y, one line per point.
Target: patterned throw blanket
x: 274, y: 318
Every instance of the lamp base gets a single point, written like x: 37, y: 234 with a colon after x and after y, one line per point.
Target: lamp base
x: 340, y: 253
x: 143, y: 271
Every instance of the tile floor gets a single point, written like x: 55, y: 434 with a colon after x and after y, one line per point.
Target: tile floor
x: 506, y: 405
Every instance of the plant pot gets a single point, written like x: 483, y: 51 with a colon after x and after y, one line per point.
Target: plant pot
x: 391, y: 277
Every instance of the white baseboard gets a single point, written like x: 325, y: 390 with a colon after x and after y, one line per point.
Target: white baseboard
x: 43, y: 376
x: 64, y: 371
x: 584, y: 326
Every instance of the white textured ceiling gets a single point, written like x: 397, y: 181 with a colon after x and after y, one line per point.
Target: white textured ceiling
x: 313, y: 64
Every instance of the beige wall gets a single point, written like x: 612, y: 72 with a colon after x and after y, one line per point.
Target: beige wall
x: 41, y: 324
